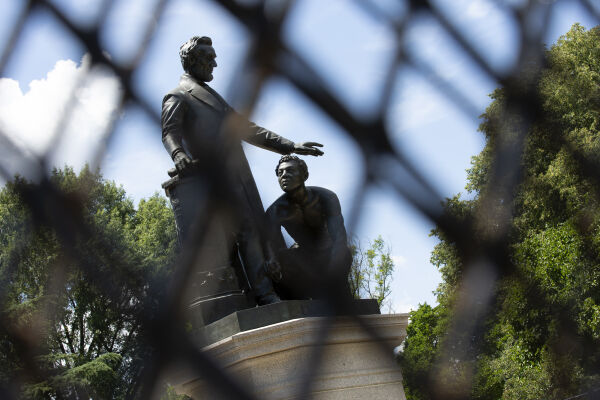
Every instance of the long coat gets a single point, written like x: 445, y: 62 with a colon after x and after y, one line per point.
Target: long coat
x: 192, y: 119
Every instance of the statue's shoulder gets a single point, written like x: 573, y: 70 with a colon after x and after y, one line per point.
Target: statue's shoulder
x: 323, y: 193
x: 328, y: 200
x: 178, y: 93
x: 279, y: 206
x: 181, y: 91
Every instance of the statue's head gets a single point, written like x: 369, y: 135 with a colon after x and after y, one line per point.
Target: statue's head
x: 291, y: 173
x: 198, y: 58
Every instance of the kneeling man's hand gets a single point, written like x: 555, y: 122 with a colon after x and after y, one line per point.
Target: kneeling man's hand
x: 273, y: 270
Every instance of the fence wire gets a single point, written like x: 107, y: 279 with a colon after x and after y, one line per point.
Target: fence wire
x: 270, y: 56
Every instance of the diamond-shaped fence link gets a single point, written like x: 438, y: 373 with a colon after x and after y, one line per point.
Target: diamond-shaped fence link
x: 269, y: 56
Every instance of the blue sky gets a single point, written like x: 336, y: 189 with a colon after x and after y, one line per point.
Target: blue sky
x: 348, y: 47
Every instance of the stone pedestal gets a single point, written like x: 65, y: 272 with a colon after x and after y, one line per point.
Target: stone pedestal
x: 271, y: 361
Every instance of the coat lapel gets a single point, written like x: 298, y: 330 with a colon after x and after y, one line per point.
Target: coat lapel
x: 200, y: 93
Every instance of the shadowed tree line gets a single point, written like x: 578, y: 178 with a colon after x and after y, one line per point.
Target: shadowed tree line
x: 82, y: 328
x: 542, y: 333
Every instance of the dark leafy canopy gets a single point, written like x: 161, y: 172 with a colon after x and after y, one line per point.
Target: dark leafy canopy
x: 76, y: 300
x: 543, y: 337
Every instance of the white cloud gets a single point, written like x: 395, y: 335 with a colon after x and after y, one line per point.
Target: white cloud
x: 87, y: 96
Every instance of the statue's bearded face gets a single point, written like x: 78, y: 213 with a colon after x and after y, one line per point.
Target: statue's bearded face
x: 290, y: 176
x: 204, y: 62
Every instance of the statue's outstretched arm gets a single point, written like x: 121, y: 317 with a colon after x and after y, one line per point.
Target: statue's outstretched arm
x: 266, y: 139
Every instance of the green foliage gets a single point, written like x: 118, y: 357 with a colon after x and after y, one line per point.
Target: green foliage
x: 171, y: 394
x: 96, y: 378
x: 93, y: 379
x: 371, y: 272
x: 543, y: 336
x: 79, y: 294
x: 423, y: 336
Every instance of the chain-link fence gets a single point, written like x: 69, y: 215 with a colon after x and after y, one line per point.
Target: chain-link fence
x: 269, y: 56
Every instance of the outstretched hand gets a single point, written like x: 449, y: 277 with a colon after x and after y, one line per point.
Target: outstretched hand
x: 308, y: 148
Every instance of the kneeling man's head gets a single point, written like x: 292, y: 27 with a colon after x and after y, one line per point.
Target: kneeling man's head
x: 291, y: 173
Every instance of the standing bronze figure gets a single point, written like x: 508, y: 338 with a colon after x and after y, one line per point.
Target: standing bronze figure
x: 197, y: 124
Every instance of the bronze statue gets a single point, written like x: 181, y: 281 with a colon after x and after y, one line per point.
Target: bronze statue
x: 317, y: 265
x: 197, y: 122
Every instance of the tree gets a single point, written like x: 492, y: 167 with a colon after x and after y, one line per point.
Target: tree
x: 371, y: 272
x: 543, y: 336
x: 79, y: 294
x: 419, y: 350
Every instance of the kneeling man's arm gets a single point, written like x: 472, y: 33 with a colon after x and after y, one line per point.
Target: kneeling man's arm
x: 274, y: 242
x: 336, y: 229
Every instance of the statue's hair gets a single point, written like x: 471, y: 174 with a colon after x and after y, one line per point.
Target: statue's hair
x: 299, y: 161
x: 186, y: 51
